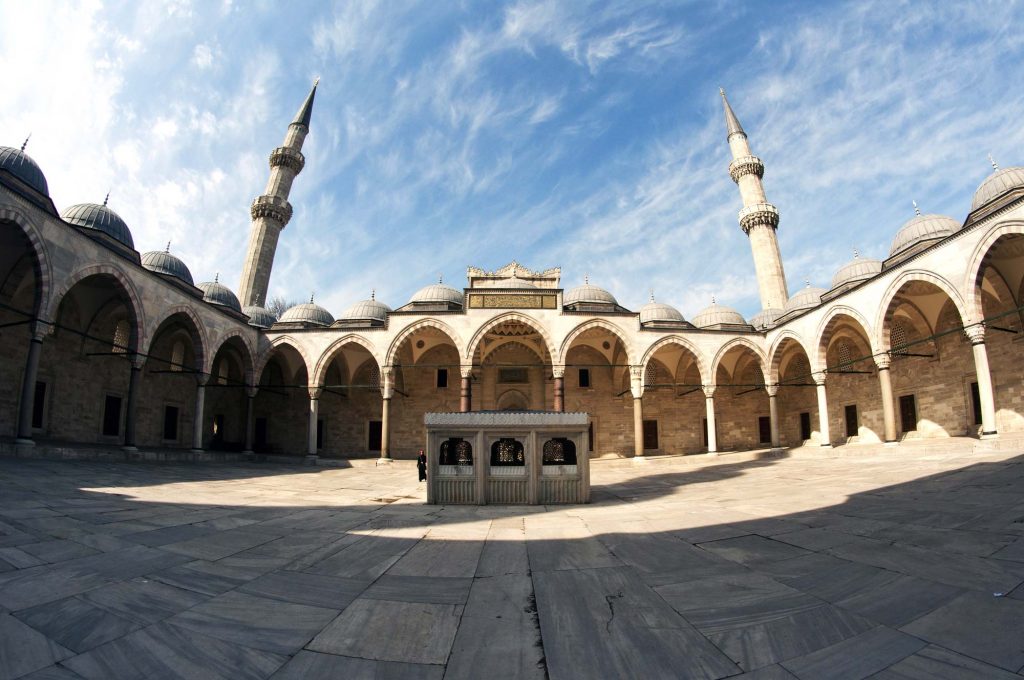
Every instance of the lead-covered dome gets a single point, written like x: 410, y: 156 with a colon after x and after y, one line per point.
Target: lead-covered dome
x: 805, y: 298
x: 766, y: 318
x: 718, y: 315
x: 21, y: 165
x: 922, y: 229
x: 857, y: 269
x: 259, y: 317
x: 438, y: 293
x: 216, y: 293
x: 367, y: 310
x: 162, y: 262
x: 588, y: 294
x: 996, y: 184
x: 660, y: 312
x: 307, y: 313
x: 100, y: 218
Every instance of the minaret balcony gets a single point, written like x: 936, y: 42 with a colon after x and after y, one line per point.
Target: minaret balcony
x: 287, y: 157
x: 746, y: 165
x: 758, y: 215
x: 272, y: 207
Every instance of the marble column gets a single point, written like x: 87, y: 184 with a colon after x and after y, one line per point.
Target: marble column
x: 198, y: 411
x: 636, y: 386
x: 314, y: 413
x: 28, y: 387
x: 387, y: 388
x: 709, y: 408
x: 976, y: 334
x: 826, y: 438
x: 466, y: 390
x: 888, y: 402
x: 559, y: 374
x: 773, y: 414
x: 250, y: 420
x: 132, y: 410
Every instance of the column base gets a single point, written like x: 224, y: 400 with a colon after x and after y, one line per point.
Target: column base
x: 385, y: 461
x: 712, y: 453
x: 892, y: 443
x: 24, y: 442
x: 130, y: 448
x: 827, y: 445
x: 311, y: 459
x: 990, y: 435
x: 777, y: 450
x: 195, y: 450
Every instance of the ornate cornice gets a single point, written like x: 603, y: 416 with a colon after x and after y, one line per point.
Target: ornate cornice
x: 272, y: 207
x: 746, y: 165
x: 758, y: 215
x: 506, y: 418
x: 288, y: 157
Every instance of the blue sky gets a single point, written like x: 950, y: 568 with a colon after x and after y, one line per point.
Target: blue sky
x: 587, y: 136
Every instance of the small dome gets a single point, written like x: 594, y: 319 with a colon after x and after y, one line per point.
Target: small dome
x: 100, y: 218
x: 765, y: 318
x: 162, y: 262
x: 307, y: 312
x: 999, y: 182
x: 438, y: 292
x: 857, y: 269
x: 805, y: 298
x: 717, y: 314
x: 922, y: 228
x: 588, y: 294
x: 659, y: 311
x: 21, y: 165
x: 217, y: 293
x: 259, y: 317
x: 367, y: 310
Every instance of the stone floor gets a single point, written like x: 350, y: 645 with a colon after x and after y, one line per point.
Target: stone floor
x: 888, y: 566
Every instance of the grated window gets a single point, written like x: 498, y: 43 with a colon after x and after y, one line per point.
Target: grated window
x: 844, y: 353
x: 122, y: 335
x: 177, y: 355
x: 898, y: 338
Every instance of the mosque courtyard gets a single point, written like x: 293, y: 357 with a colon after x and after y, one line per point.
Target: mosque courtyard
x: 905, y: 563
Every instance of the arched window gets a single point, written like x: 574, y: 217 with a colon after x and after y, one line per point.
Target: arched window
x: 559, y: 451
x: 844, y: 354
x: 122, y: 336
x: 177, y: 355
x: 455, y: 451
x: 507, y: 452
x: 898, y: 338
x: 222, y: 372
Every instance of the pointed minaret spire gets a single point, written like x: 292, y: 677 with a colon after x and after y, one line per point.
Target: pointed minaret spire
x: 917, y: 211
x: 758, y: 218
x: 732, y: 123
x: 271, y: 211
x: 25, y: 143
x: 990, y: 160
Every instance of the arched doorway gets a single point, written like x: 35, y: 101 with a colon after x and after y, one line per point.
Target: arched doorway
x: 674, y: 406
x: 799, y: 417
x: 596, y: 364
x: 282, y: 403
x: 224, y: 417
x: 740, y: 399
x: 175, y: 360
x: 852, y: 383
x: 351, y: 408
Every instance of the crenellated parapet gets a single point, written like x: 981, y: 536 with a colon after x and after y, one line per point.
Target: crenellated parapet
x: 746, y: 165
x: 758, y: 215
x: 286, y: 156
x: 272, y: 207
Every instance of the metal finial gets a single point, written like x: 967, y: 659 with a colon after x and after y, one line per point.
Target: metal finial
x: 168, y: 248
x: 216, y: 277
x: 316, y: 82
x: 721, y: 91
x: 807, y: 283
x: 440, y: 278
x: 856, y: 253
x: 373, y: 293
x: 311, y: 298
x: 106, y: 198
x: 25, y: 143
x: 990, y: 160
x: 917, y: 211
x: 586, y: 279
x: 713, y: 300
x: 652, y: 295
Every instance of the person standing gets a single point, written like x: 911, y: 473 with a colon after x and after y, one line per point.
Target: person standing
x: 421, y: 465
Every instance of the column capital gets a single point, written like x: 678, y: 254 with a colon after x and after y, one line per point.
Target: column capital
x: 202, y: 379
x: 40, y: 330
x: 636, y: 381
x: 558, y: 370
x: 315, y: 391
x: 251, y: 391
x: 819, y: 378
x: 138, y: 362
x: 976, y: 334
x: 772, y: 390
x: 709, y: 391
x: 883, y: 361
x: 387, y: 382
x: 466, y: 370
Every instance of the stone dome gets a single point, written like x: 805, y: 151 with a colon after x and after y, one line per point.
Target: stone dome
x: 216, y: 293
x: 857, y: 269
x: 307, y: 312
x: 659, y: 311
x: 162, y: 262
x: 438, y: 292
x: 716, y: 315
x: 588, y: 293
x: 367, y: 310
x: 21, y: 165
x: 100, y: 218
x: 259, y: 317
x: 765, y: 318
x: 805, y: 298
x: 997, y: 183
x: 922, y: 228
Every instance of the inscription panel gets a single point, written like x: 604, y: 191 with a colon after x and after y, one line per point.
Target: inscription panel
x: 512, y: 301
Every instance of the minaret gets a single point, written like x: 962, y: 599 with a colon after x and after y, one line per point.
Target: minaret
x: 758, y: 218
x: 271, y: 211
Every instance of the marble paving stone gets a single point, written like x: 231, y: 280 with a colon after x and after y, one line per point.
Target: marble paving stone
x: 167, y: 651
x: 1013, y: 551
x: 791, y: 636
x: 313, y: 666
x: 52, y: 673
x: 427, y: 589
x: 301, y: 562
x: 270, y: 625
x: 39, y: 585
x: 439, y: 558
x: 936, y: 663
x: 76, y: 624
x: 801, y: 566
x: 415, y: 633
x: 841, y: 581
x: 817, y: 538
x: 207, y: 578
x: 142, y: 600
x: 57, y: 551
x: 608, y: 623
x: 766, y: 673
x: 555, y: 549
x: 857, y: 657
x: 23, y: 650
x: 18, y: 558
x: 364, y: 559
x: 899, y: 601
x: 311, y: 589
x: 983, y: 627
x: 980, y: 543
x: 753, y: 550
x: 504, y: 552
x: 662, y: 559
x: 167, y: 535
x: 725, y: 602
x: 128, y: 563
x: 222, y: 543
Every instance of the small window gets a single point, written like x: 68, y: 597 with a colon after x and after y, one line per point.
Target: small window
x: 122, y: 335
x: 38, y: 405
x: 455, y: 451
x: 442, y: 378
x: 584, y: 377
x: 805, y: 426
x: 178, y: 356
x: 975, y: 403
x: 112, y: 416
x: 650, y: 434
x: 222, y: 373
x: 507, y: 452
x: 852, y: 422
x: 764, y: 429
x: 559, y: 451
x: 171, y: 423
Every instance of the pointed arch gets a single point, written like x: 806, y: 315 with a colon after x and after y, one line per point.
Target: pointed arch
x: 733, y: 344
x: 536, y: 325
x: 679, y: 341
x: 881, y: 335
x: 200, y: 339
x: 123, y: 281
x: 823, y: 334
x: 979, y: 260
x: 778, y: 352
x: 247, y: 358
x: 275, y: 344
x: 588, y: 325
x: 327, y: 356
x: 412, y: 329
x: 41, y: 264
